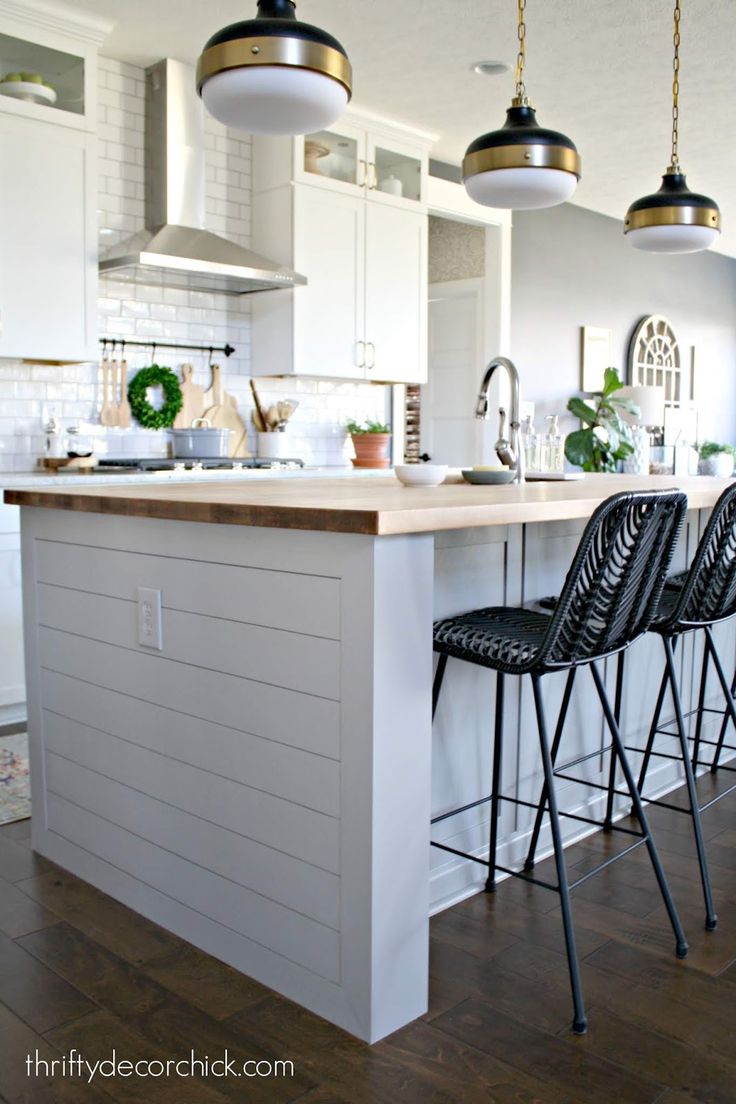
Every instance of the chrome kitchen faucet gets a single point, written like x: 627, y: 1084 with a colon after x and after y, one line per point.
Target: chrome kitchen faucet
x: 511, y: 453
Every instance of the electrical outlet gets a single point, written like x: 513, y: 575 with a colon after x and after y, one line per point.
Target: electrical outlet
x: 150, y: 629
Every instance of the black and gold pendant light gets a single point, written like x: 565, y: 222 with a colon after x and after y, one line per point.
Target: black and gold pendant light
x: 674, y: 219
x: 274, y: 74
x: 522, y: 165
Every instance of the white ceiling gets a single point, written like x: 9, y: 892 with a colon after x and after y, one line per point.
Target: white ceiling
x: 599, y: 70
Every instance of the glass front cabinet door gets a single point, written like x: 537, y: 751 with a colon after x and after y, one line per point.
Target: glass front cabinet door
x: 390, y: 166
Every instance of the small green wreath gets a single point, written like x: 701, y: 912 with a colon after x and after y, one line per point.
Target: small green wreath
x: 145, y: 414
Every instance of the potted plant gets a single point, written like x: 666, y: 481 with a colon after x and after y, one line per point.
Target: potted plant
x: 605, y: 437
x: 715, y: 459
x: 371, y: 443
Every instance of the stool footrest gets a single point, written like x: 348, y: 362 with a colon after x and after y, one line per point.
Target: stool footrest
x: 607, y: 862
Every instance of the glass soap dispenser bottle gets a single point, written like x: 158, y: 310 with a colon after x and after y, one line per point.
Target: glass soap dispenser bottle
x: 553, y: 453
x: 530, y: 445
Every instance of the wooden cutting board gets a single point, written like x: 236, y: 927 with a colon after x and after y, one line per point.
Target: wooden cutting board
x: 193, y: 396
x: 223, y: 414
x: 109, y: 411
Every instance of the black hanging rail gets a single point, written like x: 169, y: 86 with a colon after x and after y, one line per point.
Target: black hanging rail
x: 123, y: 344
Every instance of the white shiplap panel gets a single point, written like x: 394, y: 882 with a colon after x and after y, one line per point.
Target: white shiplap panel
x: 308, y: 664
x: 286, y: 716
x: 282, y: 599
x: 299, y: 832
x: 264, y: 921
x: 288, y: 772
x: 272, y: 874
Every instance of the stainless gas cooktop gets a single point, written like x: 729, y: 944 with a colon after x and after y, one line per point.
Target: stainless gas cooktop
x: 125, y: 465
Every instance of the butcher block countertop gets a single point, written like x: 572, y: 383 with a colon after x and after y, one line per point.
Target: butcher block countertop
x: 378, y: 506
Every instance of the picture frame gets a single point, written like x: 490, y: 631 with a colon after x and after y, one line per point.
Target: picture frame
x: 596, y: 356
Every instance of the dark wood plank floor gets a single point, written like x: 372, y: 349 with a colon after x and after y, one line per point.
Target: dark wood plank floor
x: 78, y: 970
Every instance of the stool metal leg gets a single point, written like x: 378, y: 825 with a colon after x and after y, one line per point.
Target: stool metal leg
x: 724, y: 728
x: 437, y: 684
x: 711, y: 919
x: 496, y: 783
x: 529, y: 864
x: 580, y: 1022
x: 653, y: 727
x: 701, y: 707
x: 641, y: 816
x: 727, y: 693
x: 617, y: 714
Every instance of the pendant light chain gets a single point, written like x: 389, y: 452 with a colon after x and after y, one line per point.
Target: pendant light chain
x: 675, y: 165
x: 521, y: 96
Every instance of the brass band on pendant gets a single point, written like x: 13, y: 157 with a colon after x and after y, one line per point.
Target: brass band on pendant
x: 518, y: 156
x: 241, y: 53
x: 673, y: 216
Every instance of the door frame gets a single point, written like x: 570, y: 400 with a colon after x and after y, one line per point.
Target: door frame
x: 448, y: 200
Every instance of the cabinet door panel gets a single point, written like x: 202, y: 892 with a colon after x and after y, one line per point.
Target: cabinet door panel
x: 396, y: 294
x: 329, y: 249
x: 47, y: 252
x: 12, y: 679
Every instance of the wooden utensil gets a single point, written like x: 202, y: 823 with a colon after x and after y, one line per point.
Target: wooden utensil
x: 114, y: 409
x: 223, y: 414
x: 124, y: 405
x: 193, y: 396
x: 259, y: 409
x: 285, y: 409
x: 108, y: 413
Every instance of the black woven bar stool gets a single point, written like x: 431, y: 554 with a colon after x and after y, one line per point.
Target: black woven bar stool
x: 609, y: 599
x: 698, y: 599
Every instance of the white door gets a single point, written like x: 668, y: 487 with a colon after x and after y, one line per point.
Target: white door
x: 48, y: 269
x: 451, y: 434
x: 329, y: 247
x: 396, y: 294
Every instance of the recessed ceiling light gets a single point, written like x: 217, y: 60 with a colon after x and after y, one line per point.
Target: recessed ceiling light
x: 490, y: 68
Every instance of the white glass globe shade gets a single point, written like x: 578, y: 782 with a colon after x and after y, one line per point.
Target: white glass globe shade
x: 521, y: 189
x: 672, y: 239
x: 274, y: 99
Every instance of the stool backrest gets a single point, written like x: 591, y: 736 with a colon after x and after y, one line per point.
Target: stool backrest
x: 615, y: 581
x: 709, y: 592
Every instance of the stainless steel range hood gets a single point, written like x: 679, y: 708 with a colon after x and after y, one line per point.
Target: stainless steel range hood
x: 175, y: 249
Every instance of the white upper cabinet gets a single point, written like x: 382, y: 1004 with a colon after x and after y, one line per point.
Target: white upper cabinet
x: 347, y: 209
x: 329, y: 313
x: 396, y: 294
x: 48, y: 230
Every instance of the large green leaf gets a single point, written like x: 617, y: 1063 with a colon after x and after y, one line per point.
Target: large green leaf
x: 582, y: 411
x: 579, y: 447
x: 611, y: 382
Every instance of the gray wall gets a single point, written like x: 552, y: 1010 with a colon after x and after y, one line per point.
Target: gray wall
x: 572, y: 268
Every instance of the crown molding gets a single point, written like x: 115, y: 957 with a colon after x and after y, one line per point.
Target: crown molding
x: 59, y: 18
x: 371, y: 120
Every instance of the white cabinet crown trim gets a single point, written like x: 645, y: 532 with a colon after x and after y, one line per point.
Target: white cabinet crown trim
x: 51, y: 15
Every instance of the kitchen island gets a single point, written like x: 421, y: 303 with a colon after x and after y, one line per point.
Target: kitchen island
x: 253, y: 764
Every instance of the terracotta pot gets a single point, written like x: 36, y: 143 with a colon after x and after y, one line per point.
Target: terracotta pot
x: 371, y: 450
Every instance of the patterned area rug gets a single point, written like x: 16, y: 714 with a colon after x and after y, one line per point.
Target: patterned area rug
x: 15, y: 785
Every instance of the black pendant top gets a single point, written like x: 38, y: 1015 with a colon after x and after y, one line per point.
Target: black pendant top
x: 275, y: 18
x: 673, y: 192
x: 520, y: 129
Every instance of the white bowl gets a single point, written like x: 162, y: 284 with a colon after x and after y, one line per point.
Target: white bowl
x: 420, y: 475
